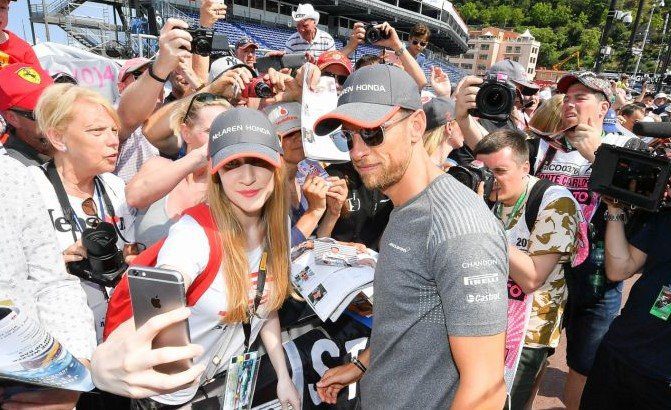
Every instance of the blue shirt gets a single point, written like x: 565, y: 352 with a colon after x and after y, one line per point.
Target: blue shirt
x: 636, y: 336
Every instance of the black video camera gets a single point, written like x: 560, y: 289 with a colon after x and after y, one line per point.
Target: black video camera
x: 373, y: 34
x: 472, y: 175
x: 105, y: 263
x: 205, y: 42
x: 495, y: 99
x: 634, y: 177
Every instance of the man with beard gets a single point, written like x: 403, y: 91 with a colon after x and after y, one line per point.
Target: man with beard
x: 440, y: 305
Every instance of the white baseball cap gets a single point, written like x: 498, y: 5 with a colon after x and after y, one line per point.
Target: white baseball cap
x: 305, y: 11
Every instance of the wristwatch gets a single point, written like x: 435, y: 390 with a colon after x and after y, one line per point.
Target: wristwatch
x: 620, y: 216
x: 399, y: 52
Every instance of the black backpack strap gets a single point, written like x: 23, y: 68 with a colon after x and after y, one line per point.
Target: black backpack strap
x: 534, y: 201
x: 533, y: 144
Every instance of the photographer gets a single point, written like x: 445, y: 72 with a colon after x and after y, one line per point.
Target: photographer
x: 532, y: 210
x: 632, y: 368
x: 77, y: 187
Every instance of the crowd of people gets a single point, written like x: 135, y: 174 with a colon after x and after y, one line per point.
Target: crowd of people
x: 202, y: 181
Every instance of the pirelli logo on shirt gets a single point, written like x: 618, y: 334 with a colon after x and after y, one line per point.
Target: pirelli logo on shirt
x: 481, y: 279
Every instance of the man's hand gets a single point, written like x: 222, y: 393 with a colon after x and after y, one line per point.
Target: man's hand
x: 211, y: 11
x: 185, y: 69
x: 586, y: 138
x: 173, y: 46
x: 440, y: 82
x: 467, y: 90
x: 336, y: 196
x: 336, y: 379
x: 231, y: 84
x: 75, y: 252
x: 392, y: 41
x: 49, y: 399
x: 357, y: 37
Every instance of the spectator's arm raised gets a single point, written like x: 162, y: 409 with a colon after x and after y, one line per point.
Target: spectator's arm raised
x: 139, y: 99
x: 465, y: 94
x: 410, y: 65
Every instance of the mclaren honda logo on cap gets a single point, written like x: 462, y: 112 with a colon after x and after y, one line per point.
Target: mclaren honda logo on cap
x: 365, y: 87
x: 237, y: 128
x: 29, y: 74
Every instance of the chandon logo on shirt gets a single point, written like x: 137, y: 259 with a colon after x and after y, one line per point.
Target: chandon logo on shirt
x: 487, y: 297
x: 479, y: 264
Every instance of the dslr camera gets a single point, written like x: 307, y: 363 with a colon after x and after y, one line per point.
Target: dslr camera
x: 495, y: 99
x: 205, y: 42
x: 472, y: 175
x: 105, y: 263
x: 635, y: 177
x: 373, y: 34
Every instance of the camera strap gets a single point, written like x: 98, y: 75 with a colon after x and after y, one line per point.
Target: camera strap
x: 68, y: 212
x: 547, y: 159
x: 108, y: 204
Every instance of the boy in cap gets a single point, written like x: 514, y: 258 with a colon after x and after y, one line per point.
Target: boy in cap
x: 439, y: 237
x: 308, y: 38
x: 20, y: 87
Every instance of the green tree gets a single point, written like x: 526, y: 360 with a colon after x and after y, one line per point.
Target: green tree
x: 469, y: 12
x: 541, y: 14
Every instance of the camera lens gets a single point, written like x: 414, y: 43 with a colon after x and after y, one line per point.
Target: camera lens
x: 201, y: 46
x: 263, y: 90
x: 494, y: 100
x: 373, y: 35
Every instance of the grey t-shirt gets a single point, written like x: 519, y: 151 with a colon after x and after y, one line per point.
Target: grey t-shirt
x: 442, y: 271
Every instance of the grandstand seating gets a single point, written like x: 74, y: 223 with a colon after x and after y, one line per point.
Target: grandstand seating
x: 273, y: 38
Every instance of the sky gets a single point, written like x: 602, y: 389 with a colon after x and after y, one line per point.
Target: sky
x: 19, y: 24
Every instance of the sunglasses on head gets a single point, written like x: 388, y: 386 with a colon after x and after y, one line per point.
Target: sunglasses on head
x: 25, y: 114
x: 202, y: 97
x: 91, y: 209
x: 340, y: 79
x: 420, y: 43
x: 372, y: 137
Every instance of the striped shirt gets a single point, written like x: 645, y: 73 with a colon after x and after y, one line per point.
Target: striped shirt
x: 322, y: 42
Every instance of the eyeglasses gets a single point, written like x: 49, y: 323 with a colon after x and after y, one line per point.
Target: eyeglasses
x: 372, y: 137
x: 340, y: 79
x: 25, y: 114
x: 421, y: 43
x: 201, y: 98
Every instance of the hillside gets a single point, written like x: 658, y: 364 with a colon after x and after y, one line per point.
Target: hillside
x: 564, y: 26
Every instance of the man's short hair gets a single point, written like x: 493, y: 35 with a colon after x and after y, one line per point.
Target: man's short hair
x: 420, y: 30
x: 649, y: 95
x: 629, y: 109
x: 498, y: 140
x: 366, y: 60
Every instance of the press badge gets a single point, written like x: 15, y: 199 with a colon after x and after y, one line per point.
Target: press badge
x: 241, y: 381
x: 662, y: 306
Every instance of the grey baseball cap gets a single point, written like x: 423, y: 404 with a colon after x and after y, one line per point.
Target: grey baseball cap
x: 371, y: 96
x: 439, y: 111
x: 285, y: 116
x: 242, y: 132
x: 515, y: 71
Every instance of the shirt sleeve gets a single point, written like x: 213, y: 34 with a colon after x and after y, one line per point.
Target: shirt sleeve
x: 186, y: 248
x: 471, y: 273
x: 642, y: 240
x: 296, y: 236
x: 556, y: 228
x: 60, y: 300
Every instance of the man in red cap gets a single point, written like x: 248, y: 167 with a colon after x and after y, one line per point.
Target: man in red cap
x: 12, y: 48
x: 335, y: 64
x: 20, y: 87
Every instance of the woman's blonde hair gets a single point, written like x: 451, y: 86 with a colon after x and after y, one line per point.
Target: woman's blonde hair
x: 233, y: 241
x: 54, y: 109
x: 433, y: 138
x: 178, y: 116
x: 547, y: 117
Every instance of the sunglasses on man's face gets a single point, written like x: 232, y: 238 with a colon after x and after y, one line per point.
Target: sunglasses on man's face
x: 201, y: 98
x: 340, y: 79
x: 372, y: 137
x: 25, y: 114
x: 420, y: 43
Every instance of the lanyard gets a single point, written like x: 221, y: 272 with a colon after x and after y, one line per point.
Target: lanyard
x: 516, y: 208
x: 260, y: 285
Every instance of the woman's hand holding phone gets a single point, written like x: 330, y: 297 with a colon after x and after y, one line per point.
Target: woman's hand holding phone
x: 124, y: 363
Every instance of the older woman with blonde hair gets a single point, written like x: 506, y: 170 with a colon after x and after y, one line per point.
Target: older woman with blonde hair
x: 163, y: 189
x: 547, y: 117
x: 79, y: 190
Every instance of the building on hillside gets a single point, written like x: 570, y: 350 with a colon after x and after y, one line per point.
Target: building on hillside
x: 490, y: 45
x: 548, y: 76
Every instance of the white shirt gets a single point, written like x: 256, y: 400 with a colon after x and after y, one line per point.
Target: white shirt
x: 322, y: 42
x: 125, y: 219
x: 33, y: 274
x: 187, y: 250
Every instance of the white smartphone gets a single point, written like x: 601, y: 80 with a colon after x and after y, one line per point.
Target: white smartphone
x: 154, y: 291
